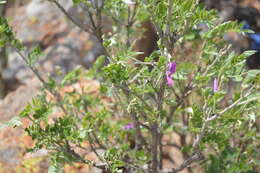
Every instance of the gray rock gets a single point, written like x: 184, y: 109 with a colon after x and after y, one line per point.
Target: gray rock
x: 10, y: 155
x: 16, y: 69
x: 37, y: 8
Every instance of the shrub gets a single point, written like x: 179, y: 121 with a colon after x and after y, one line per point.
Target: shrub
x: 180, y: 88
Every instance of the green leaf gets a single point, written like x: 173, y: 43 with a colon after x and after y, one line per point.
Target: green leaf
x: 34, y: 55
x: 14, y: 122
x: 221, y: 29
x: 27, y: 110
x: 253, y: 73
x: 99, y: 63
x: 71, y: 76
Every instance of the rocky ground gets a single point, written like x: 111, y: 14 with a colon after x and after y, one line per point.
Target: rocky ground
x: 64, y: 46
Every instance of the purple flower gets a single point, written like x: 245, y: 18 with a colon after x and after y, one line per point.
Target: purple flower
x: 170, y: 71
x: 215, y: 85
x: 129, y: 126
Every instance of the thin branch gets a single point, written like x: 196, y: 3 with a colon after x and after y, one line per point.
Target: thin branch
x: 203, y: 132
x: 186, y: 93
x: 221, y: 53
x: 131, y: 92
x: 187, y: 162
x: 77, y: 156
x: 249, y: 100
x: 199, y: 137
x: 37, y: 74
x: 138, y: 131
x: 157, y: 28
x: 77, y: 23
x: 128, y: 26
x: 32, y: 69
x: 173, y: 145
x: 98, y: 141
x: 145, y: 63
x: 94, y: 149
x: 137, y: 124
x: 117, y: 21
x: 168, y: 27
x: 144, y: 125
x: 94, y: 32
x: 175, y: 93
x: 237, y: 102
x: 169, y: 17
x: 156, y: 25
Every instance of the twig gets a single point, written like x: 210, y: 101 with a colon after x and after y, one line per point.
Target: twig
x: 94, y: 149
x: 138, y: 131
x: 209, y: 119
x: 200, y: 135
x: 139, y: 97
x: 175, y: 93
x: 156, y: 25
x: 137, y: 124
x: 94, y: 32
x: 96, y: 27
x: 128, y: 26
x: 186, y: 93
x: 144, y: 126
x: 186, y: 163
x: 203, y: 132
x: 77, y: 23
x: 169, y: 17
x: 237, y: 102
x: 32, y: 69
x: 98, y: 141
x: 37, y: 74
x: 173, y: 145
x: 222, y: 52
x: 167, y: 29
x: 65, y: 148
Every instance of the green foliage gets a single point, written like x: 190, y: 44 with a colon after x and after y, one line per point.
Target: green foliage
x: 7, y: 36
x: 133, y: 109
x: 34, y: 55
x: 225, y: 162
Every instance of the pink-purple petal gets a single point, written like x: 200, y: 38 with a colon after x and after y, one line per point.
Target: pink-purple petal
x: 170, y: 71
x: 129, y: 126
x: 169, y: 81
x: 215, y: 85
x: 172, y: 67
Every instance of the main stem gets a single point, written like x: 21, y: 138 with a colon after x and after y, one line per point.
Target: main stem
x: 155, y: 142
